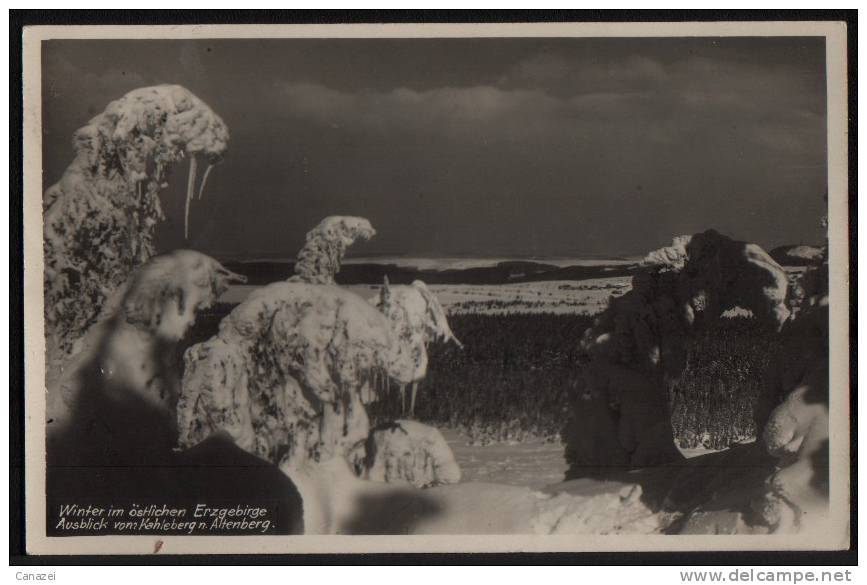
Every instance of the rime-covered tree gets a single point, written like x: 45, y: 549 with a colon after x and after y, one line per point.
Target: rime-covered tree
x: 100, y: 218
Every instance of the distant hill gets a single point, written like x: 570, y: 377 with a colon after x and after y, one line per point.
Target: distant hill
x: 506, y: 272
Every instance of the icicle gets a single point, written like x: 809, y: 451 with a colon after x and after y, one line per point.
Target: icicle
x: 412, y: 390
x: 384, y: 293
x: 204, y: 180
x: 191, y: 183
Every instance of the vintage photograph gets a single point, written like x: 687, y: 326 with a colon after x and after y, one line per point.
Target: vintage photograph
x: 307, y: 282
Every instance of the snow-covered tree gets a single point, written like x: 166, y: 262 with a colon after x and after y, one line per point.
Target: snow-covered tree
x: 416, y: 319
x: 292, y: 367
x: 290, y: 370
x: 128, y: 363
x: 639, y: 342
x: 288, y: 373
x: 100, y: 218
x: 319, y: 260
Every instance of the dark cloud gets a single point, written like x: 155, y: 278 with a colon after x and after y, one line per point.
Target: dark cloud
x: 529, y: 147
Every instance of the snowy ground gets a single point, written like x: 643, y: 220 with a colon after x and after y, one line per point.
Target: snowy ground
x: 560, y: 296
x: 585, y: 297
x: 533, y: 464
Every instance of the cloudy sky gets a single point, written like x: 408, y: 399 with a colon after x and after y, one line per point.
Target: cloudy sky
x: 528, y: 147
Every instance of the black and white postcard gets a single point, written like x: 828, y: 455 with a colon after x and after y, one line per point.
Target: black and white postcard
x: 436, y: 288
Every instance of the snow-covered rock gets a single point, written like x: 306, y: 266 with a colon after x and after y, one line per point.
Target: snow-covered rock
x: 407, y: 451
x: 99, y: 219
